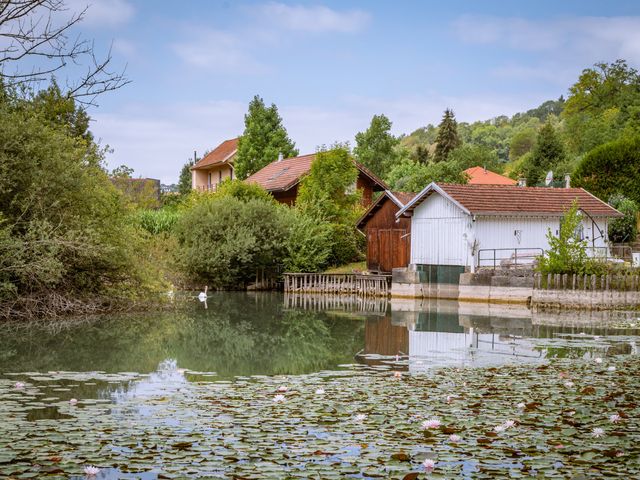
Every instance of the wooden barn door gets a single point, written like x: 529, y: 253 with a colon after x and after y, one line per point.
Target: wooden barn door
x: 386, y: 249
x: 401, y: 248
x: 373, y: 249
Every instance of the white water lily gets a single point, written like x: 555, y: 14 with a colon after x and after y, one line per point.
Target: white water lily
x: 397, y: 374
x: 454, y: 438
x: 91, y: 471
x: 568, y: 384
x: 611, y: 368
x: 320, y: 391
x: 499, y: 428
x: 598, y: 360
x: 509, y: 424
x: 73, y: 401
x: 521, y: 406
x: 429, y: 465
x: 360, y: 417
x: 278, y: 398
x: 19, y: 385
x: 615, y: 418
x: 283, y: 388
x: 571, y: 413
x: 431, y: 423
x: 597, y: 432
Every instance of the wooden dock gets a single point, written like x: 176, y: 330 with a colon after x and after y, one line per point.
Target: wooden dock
x: 338, y: 283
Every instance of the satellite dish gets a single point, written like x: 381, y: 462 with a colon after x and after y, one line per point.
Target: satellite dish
x: 549, y: 178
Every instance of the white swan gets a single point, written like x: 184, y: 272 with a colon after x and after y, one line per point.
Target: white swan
x: 203, y: 295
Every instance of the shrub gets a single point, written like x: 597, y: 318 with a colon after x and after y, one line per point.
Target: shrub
x: 348, y: 244
x: 624, y: 229
x: 309, y: 244
x: 567, y: 253
x: 223, y: 240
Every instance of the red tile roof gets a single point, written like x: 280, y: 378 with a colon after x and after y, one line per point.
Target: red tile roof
x: 514, y: 200
x: 482, y: 176
x: 282, y: 175
x: 402, y: 197
x: 221, y: 154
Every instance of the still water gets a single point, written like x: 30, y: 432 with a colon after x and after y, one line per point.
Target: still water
x: 240, y: 334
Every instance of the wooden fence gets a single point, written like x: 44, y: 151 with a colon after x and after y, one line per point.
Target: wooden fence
x: 344, y: 303
x: 338, y: 283
x: 623, y: 283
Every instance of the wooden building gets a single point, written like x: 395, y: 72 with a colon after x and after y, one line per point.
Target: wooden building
x: 282, y: 179
x: 388, y: 238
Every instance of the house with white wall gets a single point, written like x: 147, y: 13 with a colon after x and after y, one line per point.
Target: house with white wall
x: 470, y: 226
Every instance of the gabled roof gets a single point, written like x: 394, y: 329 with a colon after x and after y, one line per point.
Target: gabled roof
x: 482, y: 176
x: 282, y: 175
x: 221, y: 154
x: 400, y: 199
x: 514, y: 200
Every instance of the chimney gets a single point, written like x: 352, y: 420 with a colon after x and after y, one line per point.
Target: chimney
x: 567, y: 180
x: 195, y: 157
x: 522, y: 182
x: 280, y: 156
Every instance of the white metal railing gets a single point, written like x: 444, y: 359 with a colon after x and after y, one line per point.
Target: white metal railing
x: 508, y: 257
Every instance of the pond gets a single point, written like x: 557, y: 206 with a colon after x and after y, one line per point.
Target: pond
x: 270, y: 386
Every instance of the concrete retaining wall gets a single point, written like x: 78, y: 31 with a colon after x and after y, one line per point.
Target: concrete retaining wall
x: 585, y: 299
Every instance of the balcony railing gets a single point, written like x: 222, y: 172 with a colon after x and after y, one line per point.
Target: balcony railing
x: 207, y: 188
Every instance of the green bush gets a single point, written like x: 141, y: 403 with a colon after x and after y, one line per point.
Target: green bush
x: 567, y: 253
x: 610, y: 169
x: 348, y: 244
x: 309, y: 244
x: 624, y: 229
x: 223, y: 240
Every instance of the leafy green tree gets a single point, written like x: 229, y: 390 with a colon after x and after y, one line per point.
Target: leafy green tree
x: 467, y: 156
x: 65, y: 230
x: 264, y: 138
x: 624, y: 229
x: 522, y: 142
x: 242, y: 191
x: 122, y: 172
x: 185, y: 179
x: 309, y: 243
x: 411, y: 176
x: 421, y: 154
x: 328, y: 191
x: 375, y: 147
x: 610, y: 169
x: 547, y: 153
x: 603, y: 103
x: 567, y: 253
x: 62, y: 109
x: 447, y: 139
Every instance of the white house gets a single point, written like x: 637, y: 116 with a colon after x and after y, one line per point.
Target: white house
x: 484, y: 225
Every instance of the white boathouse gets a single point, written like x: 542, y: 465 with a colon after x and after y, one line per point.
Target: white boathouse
x: 470, y: 226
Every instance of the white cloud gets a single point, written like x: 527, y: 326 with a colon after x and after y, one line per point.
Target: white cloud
x: 156, y: 141
x: 317, y: 18
x: 124, y: 47
x: 103, y: 13
x: 217, y: 50
x: 605, y: 36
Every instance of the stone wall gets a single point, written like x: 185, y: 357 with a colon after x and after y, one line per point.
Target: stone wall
x: 585, y: 299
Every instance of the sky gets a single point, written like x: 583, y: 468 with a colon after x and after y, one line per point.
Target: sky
x: 329, y: 66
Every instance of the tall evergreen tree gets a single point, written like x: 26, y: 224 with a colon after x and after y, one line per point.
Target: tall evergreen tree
x: 447, y: 139
x: 184, y: 181
x: 547, y: 154
x: 263, y: 139
x: 375, y: 147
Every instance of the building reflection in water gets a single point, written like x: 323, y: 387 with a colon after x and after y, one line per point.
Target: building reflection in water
x: 417, y: 335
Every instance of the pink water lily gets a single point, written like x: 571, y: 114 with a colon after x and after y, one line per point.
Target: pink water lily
x: 509, y: 424
x: 454, y: 438
x: 91, y: 471
x: 597, y: 432
x: 73, y: 401
x: 615, y: 418
x: 431, y: 423
x: 19, y: 385
x: 598, y: 360
x: 283, y: 388
x: 429, y: 465
x: 397, y: 374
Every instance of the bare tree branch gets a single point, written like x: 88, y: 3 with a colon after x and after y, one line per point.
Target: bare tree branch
x: 35, y: 43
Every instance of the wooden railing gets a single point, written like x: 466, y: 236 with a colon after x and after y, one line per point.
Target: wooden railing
x: 586, y: 282
x: 337, y: 283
